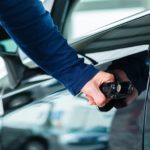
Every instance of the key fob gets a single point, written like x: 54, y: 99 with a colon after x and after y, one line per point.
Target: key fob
x: 118, y: 92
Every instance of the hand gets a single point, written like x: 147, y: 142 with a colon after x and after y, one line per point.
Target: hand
x: 92, y: 91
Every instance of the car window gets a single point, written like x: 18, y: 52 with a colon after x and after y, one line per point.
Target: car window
x: 89, y: 15
x: 33, y: 115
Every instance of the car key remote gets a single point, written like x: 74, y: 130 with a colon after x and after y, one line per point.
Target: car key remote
x: 117, y: 91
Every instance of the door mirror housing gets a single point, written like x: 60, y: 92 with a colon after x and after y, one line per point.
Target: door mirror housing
x: 8, y: 47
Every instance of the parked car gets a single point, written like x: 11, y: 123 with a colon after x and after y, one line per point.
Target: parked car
x: 43, y: 124
x: 39, y: 113
x: 92, y: 138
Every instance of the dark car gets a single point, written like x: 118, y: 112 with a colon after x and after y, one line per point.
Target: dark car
x: 40, y: 114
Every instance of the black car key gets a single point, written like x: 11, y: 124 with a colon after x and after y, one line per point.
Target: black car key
x: 117, y: 91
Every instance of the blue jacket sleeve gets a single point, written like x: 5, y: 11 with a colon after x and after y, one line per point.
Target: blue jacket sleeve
x: 32, y: 28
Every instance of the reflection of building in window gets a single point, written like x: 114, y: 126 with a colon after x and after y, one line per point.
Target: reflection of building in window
x: 147, y: 4
x: 109, y: 4
x: 89, y: 15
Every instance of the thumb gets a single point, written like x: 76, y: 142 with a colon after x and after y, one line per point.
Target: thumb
x: 92, y: 91
x: 98, y: 97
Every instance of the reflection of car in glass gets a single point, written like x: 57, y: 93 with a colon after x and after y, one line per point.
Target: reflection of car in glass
x: 39, y: 112
x: 40, y: 124
x: 29, y: 127
x: 94, y: 138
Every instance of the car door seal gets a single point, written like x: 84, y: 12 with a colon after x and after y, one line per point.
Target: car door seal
x: 146, y: 101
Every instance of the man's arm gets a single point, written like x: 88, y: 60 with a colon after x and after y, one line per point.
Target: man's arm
x: 31, y: 26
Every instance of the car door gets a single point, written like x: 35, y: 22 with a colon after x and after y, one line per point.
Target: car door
x: 106, y: 44
x: 146, y: 135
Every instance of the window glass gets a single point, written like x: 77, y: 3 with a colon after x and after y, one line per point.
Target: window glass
x: 89, y: 15
x: 33, y: 115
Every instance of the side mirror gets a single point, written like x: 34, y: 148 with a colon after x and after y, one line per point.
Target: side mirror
x: 8, y: 47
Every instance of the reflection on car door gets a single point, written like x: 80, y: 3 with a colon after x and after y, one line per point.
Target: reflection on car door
x: 126, y: 129
x: 147, y: 127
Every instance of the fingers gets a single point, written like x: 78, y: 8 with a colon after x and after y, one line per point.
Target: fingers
x: 91, y: 100
x: 92, y: 89
x: 103, y: 77
x: 99, y: 97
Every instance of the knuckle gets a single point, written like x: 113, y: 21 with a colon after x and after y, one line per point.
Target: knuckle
x: 101, y: 102
x: 111, y: 76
